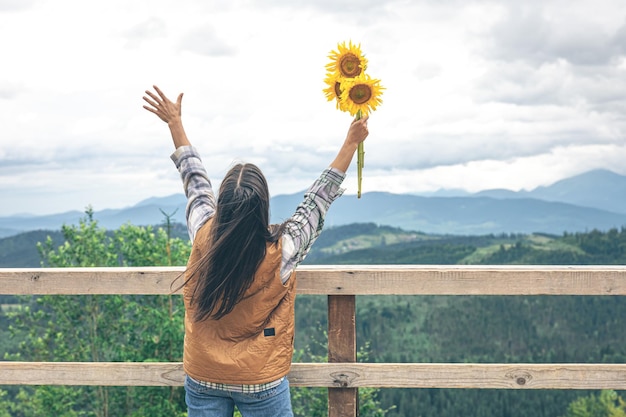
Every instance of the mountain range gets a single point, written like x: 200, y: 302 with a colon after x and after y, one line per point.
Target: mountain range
x: 592, y: 200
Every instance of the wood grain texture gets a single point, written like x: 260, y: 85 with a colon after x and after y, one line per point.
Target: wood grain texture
x: 342, y: 376
x: 335, y: 375
x: 342, y: 401
x: 340, y: 280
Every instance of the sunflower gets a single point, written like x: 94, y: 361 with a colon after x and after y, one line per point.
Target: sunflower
x: 360, y: 94
x: 333, y: 89
x: 348, y: 61
x: 354, y: 91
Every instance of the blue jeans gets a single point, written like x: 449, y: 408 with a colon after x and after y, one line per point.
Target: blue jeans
x: 207, y: 402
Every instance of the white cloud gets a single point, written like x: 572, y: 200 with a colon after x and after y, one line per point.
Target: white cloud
x: 9, y: 91
x: 150, y: 29
x: 478, y: 93
x: 204, y: 41
x: 15, y: 5
x: 514, y: 173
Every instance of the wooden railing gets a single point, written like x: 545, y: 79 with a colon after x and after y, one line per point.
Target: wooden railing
x: 342, y: 375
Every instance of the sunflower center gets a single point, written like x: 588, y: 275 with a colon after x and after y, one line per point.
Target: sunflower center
x: 360, y: 93
x: 338, y: 89
x: 349, y: 65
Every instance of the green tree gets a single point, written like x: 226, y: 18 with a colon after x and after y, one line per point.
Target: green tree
x: 4, y: 405
x: 103, y: 328
x: 607, y: 404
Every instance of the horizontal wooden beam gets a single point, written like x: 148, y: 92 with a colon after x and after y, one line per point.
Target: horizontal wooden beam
x: 344, y: 375
x: 465, y: 375
x: 92, y: 373
x: 340, y: 280
x: 78, y: 281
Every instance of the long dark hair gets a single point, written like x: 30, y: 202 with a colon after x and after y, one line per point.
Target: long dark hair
x: 239, y: 234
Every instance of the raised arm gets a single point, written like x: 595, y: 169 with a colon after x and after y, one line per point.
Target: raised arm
x: 169, y: 112
x: 196, y: 183
x: 356, y: 134
x: 303, y: 228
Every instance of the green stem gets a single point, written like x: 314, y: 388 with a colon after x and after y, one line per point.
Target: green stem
x: 360, y: 160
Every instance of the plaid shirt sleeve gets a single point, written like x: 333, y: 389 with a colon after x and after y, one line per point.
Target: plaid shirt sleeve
x: 306, y: 224
x: 197, y: 186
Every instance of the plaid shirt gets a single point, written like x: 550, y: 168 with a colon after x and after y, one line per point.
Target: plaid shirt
x: 301, y: 229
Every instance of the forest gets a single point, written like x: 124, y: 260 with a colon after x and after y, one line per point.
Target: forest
x: 484, y: 329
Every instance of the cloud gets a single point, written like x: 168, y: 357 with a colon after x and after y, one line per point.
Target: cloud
x: 204, y: 40
x: 565, y: 61
x: 358, y: 7
x: 542, y: 33
x: 475, y: 90
x: 619, y: 40
x: 9, y: 90
x: 514, y: 173
x: 150, y: 29
x: 15, y: 5
x: 427, y: 70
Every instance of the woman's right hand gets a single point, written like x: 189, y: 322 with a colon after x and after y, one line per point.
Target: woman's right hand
x: 357, y: 131
x: 356, y: 134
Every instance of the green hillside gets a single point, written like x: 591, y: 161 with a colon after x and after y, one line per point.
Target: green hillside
x: 371, y: 244
x: 484, y: 329
x: 368, y: 243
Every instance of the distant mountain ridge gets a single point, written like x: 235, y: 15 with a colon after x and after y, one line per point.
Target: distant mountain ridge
x: 593, y: 200
x: 601, y: 189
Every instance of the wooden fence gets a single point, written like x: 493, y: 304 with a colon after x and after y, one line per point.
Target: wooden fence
x: 342, y: 375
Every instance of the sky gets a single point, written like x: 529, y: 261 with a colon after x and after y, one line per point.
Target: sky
x: 478, y: 94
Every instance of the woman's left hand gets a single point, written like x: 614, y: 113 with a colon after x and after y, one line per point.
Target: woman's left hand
x: 163, y: 107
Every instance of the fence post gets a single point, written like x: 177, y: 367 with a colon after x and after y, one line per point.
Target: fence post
x: 342, y: 402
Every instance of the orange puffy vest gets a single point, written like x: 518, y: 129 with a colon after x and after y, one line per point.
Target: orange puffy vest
x: 253, y: 344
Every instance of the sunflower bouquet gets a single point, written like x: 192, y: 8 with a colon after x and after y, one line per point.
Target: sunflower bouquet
x: 353, y: 90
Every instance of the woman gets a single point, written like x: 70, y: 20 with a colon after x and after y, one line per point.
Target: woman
x: 239, y: 285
